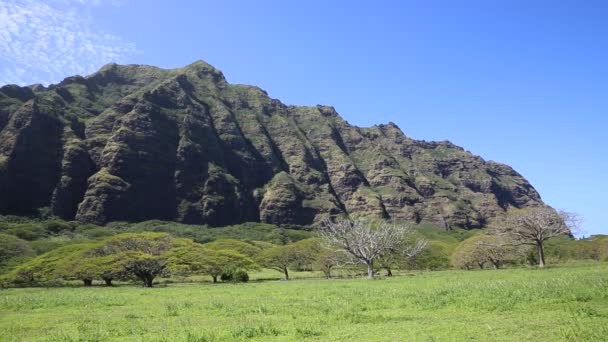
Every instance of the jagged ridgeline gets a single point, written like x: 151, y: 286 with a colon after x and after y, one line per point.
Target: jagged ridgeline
x: 133, y: 142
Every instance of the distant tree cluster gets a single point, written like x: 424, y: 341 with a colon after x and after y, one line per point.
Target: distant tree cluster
x: 135, y: 256
x: 55, y: 251
x: 481, y: 250
x: 514, y: 234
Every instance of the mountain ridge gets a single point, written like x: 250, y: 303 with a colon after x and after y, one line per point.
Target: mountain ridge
x: 136, y: 142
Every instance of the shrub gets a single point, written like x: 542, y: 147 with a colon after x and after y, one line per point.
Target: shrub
x: 235, y: 276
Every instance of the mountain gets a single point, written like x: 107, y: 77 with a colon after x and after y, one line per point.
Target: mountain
x: 134, y: 142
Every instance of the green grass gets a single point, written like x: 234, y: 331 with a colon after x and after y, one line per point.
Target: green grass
x: 559, y: 303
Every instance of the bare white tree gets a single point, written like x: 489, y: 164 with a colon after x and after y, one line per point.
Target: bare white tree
x: 534, y: 226
x: 365, y: 241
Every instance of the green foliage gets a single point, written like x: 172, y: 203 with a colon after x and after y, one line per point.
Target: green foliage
x: 46, y: 235
x: 143, y: 266
x: 241, y: 247
x: 193, y: 258
x: 452, y: 236
x: 142, y: 255
x: 204, y: 234
x: 565, y: 249
x: 235, y: 276
x: 26, y: 231
x: 43, y: 268
x: 85, y: 265
x: 327, y: 260
x: 304, y: 253
x: 278, y: 258
x: 148, y: 243
x: 483, y: 249
x: 13, y: 251
x: 183, y: 257
x: 435, y: 256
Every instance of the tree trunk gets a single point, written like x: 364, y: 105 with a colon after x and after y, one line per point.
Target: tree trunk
x: 214, y: 279
x: 148, y: 281
x: 286, y: 272
x: 370, y: 269
x: 87, y: 282
x: 389, y: 273
x: 108, y: 281
x: 541, y: 254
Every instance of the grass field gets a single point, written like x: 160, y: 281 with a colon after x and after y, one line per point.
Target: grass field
x: 559, y: 303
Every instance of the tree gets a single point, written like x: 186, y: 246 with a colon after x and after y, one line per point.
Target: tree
x: 365, y: 241
x: 77, y: 265
x: 144, y: 266
x: 195, y: 258
x: 496, y: 250
x: 143, y: 255
x: 215, y: 262
x: 400, y: 254
x: 465, y: 256
x: 277, y: 258
x: 436, y: 255
x: 481, y: 249
x: 534, y: 226
x: 85, y: 266
x: 238, y: 246
x: 149, y: 243
x: 327, y: 259
x: 304, y: 252
x: 597, y: 247
x: 44, y: 267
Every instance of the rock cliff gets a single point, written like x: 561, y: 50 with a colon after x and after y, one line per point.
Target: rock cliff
x: 133, y: 142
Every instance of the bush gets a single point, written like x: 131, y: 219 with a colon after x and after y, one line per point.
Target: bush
x: 235, y: 276
x: 434, y: 257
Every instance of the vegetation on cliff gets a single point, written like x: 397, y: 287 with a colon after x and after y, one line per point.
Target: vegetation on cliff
x: 136, y: 143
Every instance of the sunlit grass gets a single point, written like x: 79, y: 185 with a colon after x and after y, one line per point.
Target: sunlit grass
x: 559, y: 303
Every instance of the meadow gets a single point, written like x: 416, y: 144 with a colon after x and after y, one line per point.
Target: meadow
x: 563, y: 302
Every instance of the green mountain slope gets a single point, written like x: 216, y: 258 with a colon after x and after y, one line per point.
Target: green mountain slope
x: 134, y: 143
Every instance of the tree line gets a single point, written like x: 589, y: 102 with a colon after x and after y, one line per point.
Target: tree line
x: 148, y: 255
x: 371, y: 244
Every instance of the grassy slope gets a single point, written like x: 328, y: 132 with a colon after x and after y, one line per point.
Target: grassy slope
x: 559, y: 303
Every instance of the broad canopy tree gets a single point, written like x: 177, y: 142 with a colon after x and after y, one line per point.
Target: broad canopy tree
x: 81, y: 264
x: 140, y: 254
x: 277, y: 258
x: 238, y: 246
x: 44, y: 267
x: 193, y: 258
x: 304, y: 253
x: 131, y: 255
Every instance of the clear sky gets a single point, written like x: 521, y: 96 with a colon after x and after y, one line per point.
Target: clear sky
x: 520, y: 82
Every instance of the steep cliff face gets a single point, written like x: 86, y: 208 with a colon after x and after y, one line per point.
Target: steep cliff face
x: 138, y: 142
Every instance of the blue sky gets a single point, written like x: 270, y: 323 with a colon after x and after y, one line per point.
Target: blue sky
x: 520, y: 82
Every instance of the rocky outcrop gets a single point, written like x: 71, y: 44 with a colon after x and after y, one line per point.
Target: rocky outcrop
x: 137, y: 142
